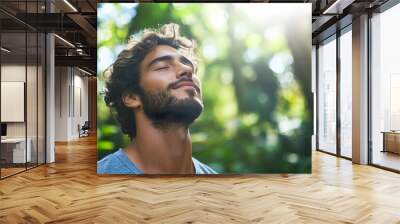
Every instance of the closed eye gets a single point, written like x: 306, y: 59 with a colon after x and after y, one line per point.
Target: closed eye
x: 161, y: 68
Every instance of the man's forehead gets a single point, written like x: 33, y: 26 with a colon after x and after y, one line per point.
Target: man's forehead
x: 163, y: 50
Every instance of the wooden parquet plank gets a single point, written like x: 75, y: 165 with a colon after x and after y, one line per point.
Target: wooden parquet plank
x: 70, y: 191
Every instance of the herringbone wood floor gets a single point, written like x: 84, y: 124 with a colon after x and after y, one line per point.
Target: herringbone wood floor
x: 70, y: 191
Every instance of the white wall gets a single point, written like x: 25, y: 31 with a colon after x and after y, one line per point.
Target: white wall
x: 80, y: 96
x: 71, y: 94
x: 61, y: 103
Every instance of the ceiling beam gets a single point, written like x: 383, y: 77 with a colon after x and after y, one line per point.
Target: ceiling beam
x: 319, y: 23
x: 337, y: 6
x: 86, y: 26
x: 82, y: 61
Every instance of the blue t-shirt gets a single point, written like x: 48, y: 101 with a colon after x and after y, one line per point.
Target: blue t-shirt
x: 119, y: 163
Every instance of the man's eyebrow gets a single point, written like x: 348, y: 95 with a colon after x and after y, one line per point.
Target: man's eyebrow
x: 182, y: 58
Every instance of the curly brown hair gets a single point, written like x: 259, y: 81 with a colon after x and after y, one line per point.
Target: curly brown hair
x: 123, y: 76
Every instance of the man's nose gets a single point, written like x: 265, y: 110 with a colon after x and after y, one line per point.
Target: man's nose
x: 184, y: 70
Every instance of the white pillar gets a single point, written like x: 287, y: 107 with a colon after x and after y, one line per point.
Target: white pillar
x: 360, y: 90
x: 50, y: 93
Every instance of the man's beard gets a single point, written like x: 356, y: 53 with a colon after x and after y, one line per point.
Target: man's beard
x: 163, y: 109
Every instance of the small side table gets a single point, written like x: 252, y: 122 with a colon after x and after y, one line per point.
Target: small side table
x: 391, y: 141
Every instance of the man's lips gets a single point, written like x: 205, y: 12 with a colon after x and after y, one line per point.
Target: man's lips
x: 187, y: 83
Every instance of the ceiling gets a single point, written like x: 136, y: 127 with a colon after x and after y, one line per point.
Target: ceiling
x: 330, y: 15
x: 74, y: 22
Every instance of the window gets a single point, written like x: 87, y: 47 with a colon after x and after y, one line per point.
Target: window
x: 346, y: 93
x: 385, y: 89
x: 327, y: 96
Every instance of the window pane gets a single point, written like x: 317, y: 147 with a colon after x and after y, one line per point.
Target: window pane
x: 327, y: 97
x: 345, y: 94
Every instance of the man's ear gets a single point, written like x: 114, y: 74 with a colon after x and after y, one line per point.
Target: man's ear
x: 131, y: 100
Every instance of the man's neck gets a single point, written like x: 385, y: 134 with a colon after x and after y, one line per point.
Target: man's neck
x: 161, y: 150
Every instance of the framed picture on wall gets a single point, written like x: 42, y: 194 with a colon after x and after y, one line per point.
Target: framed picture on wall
x: 204, y: 88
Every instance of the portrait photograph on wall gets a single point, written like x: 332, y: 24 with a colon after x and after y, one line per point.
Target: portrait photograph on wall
x: 194, y: 88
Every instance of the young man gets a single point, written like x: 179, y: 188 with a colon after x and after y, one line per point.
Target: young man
x: 156, y: 94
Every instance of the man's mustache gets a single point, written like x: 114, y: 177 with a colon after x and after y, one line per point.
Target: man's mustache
x: 183, y: 79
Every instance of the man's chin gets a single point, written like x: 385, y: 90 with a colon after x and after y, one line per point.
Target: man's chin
x: 186, y: 110
x: 177, y: 108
